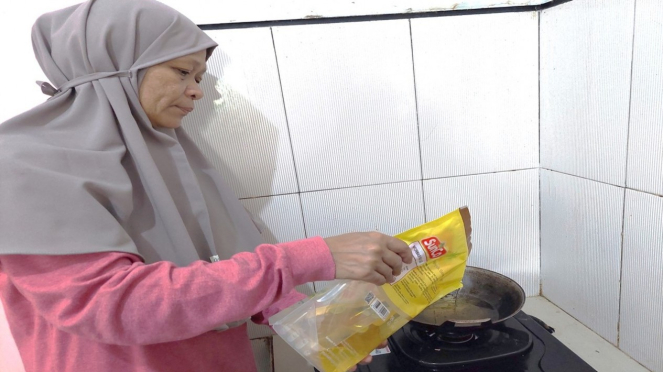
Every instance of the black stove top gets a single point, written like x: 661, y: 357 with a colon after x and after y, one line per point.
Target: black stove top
x: 518, y: 344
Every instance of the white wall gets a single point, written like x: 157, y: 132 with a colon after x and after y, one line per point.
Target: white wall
x: 602, y: 173
x: 18, y: 61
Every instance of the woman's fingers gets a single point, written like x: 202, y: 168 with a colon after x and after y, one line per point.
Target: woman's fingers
x: 400, y: 248
x: 394, y: 262
x: 371, y: 256
x: 386, y: 272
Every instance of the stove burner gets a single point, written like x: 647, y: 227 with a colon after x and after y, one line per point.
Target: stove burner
x: 456, y: 338
x: 492, y: 350
x: 447, y: 349
x: 439, y: 337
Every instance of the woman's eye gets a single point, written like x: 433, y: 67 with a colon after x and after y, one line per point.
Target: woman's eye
x: 183, y: 72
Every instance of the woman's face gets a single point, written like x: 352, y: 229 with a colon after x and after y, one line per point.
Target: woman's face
x: 168, y: 89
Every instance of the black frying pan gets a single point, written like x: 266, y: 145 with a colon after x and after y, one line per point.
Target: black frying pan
x: 486, y: 298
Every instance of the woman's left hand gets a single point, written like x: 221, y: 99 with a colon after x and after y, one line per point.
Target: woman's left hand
x: 369, y: 357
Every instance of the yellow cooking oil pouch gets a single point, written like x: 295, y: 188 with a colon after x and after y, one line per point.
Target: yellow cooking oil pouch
x: 338, y: 327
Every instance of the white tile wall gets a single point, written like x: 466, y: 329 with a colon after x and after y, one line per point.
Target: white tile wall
x: 349, y: 97
x: 585, y: 80
x: 241, y: 125
x: 280, y: 214
x: 505, y: 220
x: 388, y: 209
x: 641, y: 324
x: 477, y: 92
x: 581, y: 224
x: 262, y: 351
x: 645, y: 152
x: 281, y: 220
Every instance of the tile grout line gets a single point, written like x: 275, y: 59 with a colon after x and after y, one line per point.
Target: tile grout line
x: 584, y: 178
x: 416, y: 108
x: 621, y: 269
x: 628, y: 133
x: 540, y: 13
x: 391, y: 183
x: 539, y: 82
x: 481, y: 174
x: 287, y: 125
x: 540, y: 240
x: 601, y: 182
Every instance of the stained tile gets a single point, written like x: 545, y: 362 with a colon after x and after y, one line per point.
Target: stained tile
x: 262, y: 351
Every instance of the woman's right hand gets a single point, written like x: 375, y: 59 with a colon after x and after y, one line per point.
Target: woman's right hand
x: 368, y: 256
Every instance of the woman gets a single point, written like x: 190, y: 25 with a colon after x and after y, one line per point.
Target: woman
x: 112, y: 221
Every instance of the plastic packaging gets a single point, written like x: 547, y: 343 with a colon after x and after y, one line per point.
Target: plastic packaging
x: 337, y: 328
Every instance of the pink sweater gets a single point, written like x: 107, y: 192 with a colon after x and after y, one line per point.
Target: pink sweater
x: 111, y: 312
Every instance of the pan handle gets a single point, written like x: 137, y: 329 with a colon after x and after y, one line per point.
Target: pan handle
x: 471, y: 323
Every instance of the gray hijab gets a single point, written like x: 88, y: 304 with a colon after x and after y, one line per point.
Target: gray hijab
x: 85, y: 171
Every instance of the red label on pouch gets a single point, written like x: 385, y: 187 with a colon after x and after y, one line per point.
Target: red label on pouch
x: 433, y: 247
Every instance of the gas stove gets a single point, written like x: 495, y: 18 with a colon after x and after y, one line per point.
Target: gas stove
x: 521, y: 343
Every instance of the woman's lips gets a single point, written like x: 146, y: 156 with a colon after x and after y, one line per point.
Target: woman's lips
x: 185, y: 110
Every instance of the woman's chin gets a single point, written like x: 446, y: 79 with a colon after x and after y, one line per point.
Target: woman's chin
x: 170, y: 124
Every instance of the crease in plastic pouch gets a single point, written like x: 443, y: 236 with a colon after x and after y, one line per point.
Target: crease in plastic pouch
x: 337, y: 328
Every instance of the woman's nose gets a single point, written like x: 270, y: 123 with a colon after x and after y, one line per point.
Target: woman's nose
x: 194, y: 91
